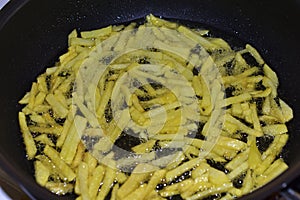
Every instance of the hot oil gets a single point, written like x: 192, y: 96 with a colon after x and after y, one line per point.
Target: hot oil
x: 128, y: 140
x: 262, y: 142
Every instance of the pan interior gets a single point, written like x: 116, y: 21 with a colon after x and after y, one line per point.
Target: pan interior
x: 35, y: 36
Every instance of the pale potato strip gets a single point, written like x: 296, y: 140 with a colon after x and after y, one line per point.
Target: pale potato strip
x: 242, y: 126
x: 28, y: 139
x: 66, y: 127
x: 54, y: 171
x: 272, y: 172
x: 237, y: 171
x: 140, y: 174
x: 197, y: 86
x: 95, y: 180
x: 248, y: 183
x: 57, y: 107
x: 25, y: 98
x: 196, y: 187
x: 255, y: 54
x: 114, y: 192
x: 33, y: 93
x: 136, y: 194
x: 197, y: 38
x: 59, y: 188
x: 136, y: 103
x: 255, y: 119
x: 276, y: 146
x: 254, y: 157
x: 82, y: 176
x: 81, y: 42
x: 55, y: 130
x: 69, y: 148
x: 91, y: 161
x: 237, y: 99
x: 90, y: 116
x: 97, y: 33
x: 170, y: 175
x: 144, y: 147
x: 217, y: 177
x: 231, y: 79
x: 40, y: 98
x: 44, y: 140
x: 59, y: 163
x: 109, y: 177
x: 121, y: 177
x: 275, y: 129
x: 214, y: 190
x: 105, y: 98
x: 169, y: 193
x: 79, y: 155
x: 42, y: 173
x: 287, y: 111
x: 154, y: 180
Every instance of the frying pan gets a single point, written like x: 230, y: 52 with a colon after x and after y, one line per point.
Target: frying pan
x: 33, y: 34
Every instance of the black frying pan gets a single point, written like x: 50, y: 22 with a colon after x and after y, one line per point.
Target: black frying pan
x: 33, y: 34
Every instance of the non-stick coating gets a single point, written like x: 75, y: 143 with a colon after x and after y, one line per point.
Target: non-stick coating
x: 33, y: 36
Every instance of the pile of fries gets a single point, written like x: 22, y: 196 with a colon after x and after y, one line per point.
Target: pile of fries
x: 208, y: 107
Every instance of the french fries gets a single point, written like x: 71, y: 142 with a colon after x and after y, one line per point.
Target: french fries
x: 190, y: 122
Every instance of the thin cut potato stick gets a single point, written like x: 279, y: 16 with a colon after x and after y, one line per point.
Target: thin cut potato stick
x: 95, y: 181
x: 242, y: 126
x: 196, y: 187
x: 182, y: 168
x: 139, y: 174
x: 42, y: 173
x: 62, y: 166
x: 214, y: 190
x: 274, y: 170
x: 114, y: 192
x: 136, y: 194
x: 255, y: 119
x: 91, y: 161
x: 240, y: 169
x: 54, y: 130
x: 275, y: 129
x: 82, y: 175
x: 69, y: 148
x: 59, y: 188
x: 237, y: 99
x: 44, y: 140
x: 96, y: 33
x: 58, y: 108
x: 66, y: 128
x: 28, y: 139
x: 155, y: 179
x: 81, y: 42
x: 108, y: 180
x: 78, y: 156
x: 33, y: 93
